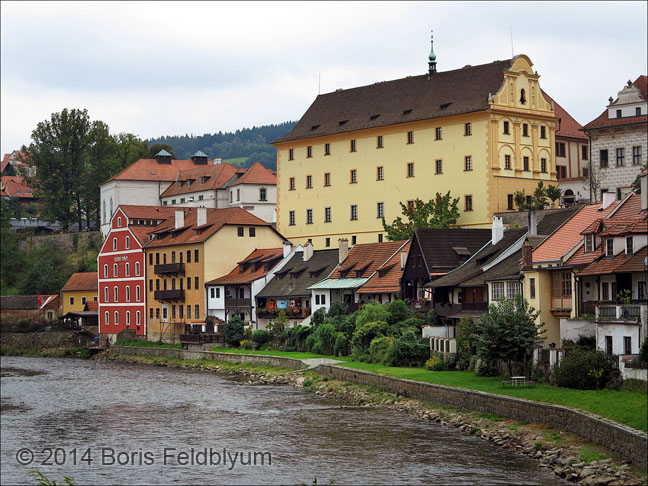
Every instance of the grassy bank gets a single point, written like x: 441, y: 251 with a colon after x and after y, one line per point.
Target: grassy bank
x: 272, y: 352
x: 78, y: 352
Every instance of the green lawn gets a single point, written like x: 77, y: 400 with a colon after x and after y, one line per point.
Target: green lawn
x: 630, y: 408
x: 271, y: 352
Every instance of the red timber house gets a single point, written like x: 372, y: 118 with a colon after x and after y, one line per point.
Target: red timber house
x: 122, y: 270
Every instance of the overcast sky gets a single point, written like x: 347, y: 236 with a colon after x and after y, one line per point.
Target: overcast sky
x: 166, y: 68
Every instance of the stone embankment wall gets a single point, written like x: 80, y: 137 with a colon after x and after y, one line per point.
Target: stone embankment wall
x: 70, y: 242
x: 44, y: 340
x: 629, y: 443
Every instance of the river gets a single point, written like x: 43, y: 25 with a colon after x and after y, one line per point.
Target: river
x: 150, y: 419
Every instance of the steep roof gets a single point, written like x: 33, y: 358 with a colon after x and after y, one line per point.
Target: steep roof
x: 620, y: 263
x: 256, y: 174
x: 438, y: 245
x: 603, y: 121
x: 387, y: 277
x: 553, y: 217
x: 630, y: 208
x: 569, y: 235
x: 81, y: 281
x: 14, y: 186
x: 568, y: 126
x: 365, y: 258
x: 166, y: 234
x: 216, y: 177
x: 297, y: 275
x: 151, y: 170
x: 148, y: 212
x: 255, y: 266
x: 402, y: 100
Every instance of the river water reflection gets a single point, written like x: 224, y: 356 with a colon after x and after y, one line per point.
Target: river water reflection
x: 139, y: 410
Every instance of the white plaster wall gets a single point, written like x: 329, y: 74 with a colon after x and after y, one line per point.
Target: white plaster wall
x: 438, y: 331
x: 320, y: 292
x: 591, y: 292
x: 249, y: 197
x: 208, y: 201
x: 216, y: 303
x: 572, y: 329
x: 617, y: 331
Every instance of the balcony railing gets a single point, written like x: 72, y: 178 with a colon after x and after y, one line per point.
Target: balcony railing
x: 624, y: 311
x: 296, y: 313
x: 245, y: 303
x: 169, y: 295
x: 474, y: 306
x: 561, y: 303
x: 167, y: 268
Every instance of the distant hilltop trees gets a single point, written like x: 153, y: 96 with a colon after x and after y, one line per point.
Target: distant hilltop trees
x: 242, y: 147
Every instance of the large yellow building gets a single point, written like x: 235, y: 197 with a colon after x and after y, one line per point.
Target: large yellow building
x: 482, y: 132
x: 188, y: 250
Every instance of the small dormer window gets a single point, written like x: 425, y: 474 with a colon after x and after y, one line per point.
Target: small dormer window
x: 522, y: 97
x: 589, y: 243
x: 609, y: 247
x: 619, y: 113
x: 629, y: 245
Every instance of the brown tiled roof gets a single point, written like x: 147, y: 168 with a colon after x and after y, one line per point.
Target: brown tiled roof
x: 14, y: 186
x: 620, y: 263
x: 91, y: 305
x: 568, y: 127
x: 437, y: 245
x: 387, y: 277
x: 602, y: 120
x: 365, y: 258
x: 403, y: 100
x: 151, y: 170
x: 19, y: 302
x: 568, y: 235
x: 167, y: 235
x: 256, y: 174
x: 217, y: 174
x: 631, y: 208
x: 621, y: 228
x: 252, y: 268
x: 580, y: 258
x: 81, y: 281
x: 148, y: 212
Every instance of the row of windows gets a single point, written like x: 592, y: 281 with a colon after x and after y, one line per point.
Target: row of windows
x: 263, y: 194
x: 561, y: 152
x: 526, y: 164
x: 182, y: 200
x: 126, y: 270
x: 196, y: 257
x: 138, y: 318
x: 380, y: 211
x: 126, y: 240
x: 619, y: 114
x: 512, y: 289
x: 620, y: 157
x: 506, y: 130
x: 138, y: 296
x: 181, y: 283
x: 176, y: 312
x: 83, y: 299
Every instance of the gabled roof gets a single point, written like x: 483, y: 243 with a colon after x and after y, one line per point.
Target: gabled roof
x: 156, y: 213
x: 365, y: 258
x: 437, y: 244
x: 548, y: 219
x: 166, y: 234
x: 256, y: 174
x: 296, y: 275
x: 630, y: 208
x: 603, y: 121
x: 217, y: 176
x: 620, y: 263
x: 255, y: 266
x: 569, y: 235
x: 22, y: 302
x: 81, y: 281
x: 568, y: 126
x: 402, y: 100
x: 14, y: 186
x: 387, y: 276
x: 151, y: 170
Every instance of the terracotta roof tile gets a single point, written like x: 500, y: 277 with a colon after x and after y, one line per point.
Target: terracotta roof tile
x: 580, y: 258
x: 82, y: 281
x: 568, y: 127
x: 365, y: 258
x: 569, y: 234
x: 151, y: 170
x: 148, y: 212
x: 256, y: 174
x: 631, y: 208
x: 620, y: 263
x: 14, y: 186
x: 246, y: 271
x: 387, y: 277
x: 217, y: 176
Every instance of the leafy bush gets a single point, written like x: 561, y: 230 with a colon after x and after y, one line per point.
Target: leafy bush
x: 260, y: 336
x: 432, y: 318
x: 234, y: 331
x: 310, y: 342
x: 371, y: 312
x: 407, y: 351
x: 341, y: 347
x: 378, y: 349
x: 318, y: 316
x: 24, y: 322
x: 399, y: 311
x: 437, y: 363
x: 413, y: 324
x: 466, y: 342
x: 325, y: 336
x: 486, y: 369
x: 337, y: 309
x: 246, y: 344
x: 584, y: 369
x: 366, y: 333
x: 643, y: 353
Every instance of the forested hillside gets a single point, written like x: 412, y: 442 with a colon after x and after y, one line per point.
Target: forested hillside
x: 242, y: 147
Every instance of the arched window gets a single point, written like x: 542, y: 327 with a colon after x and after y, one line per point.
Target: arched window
x: 522, y: 96
x: 106, y: 294
x: 128, y: 269
x: 137, y: 293
x: 106, y: 271
x: 116, y: 317
x: 128, y: 293
x: 119, y: 223
x: 111, y: 207
x: 115, y: 270
x: 104, y: 211
x: 137, y: 268
x: 116, y: 293
x: 128, y: 318
x: 127, y: 242
x: 107, y: 318
x: 138, y: 318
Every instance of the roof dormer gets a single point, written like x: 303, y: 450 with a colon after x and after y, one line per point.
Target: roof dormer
x: 163, y: 157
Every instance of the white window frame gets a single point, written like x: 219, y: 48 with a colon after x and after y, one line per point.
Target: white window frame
x: 137, y: 269
x: 116, y: 293
x: 107, y: 318
x: 105, y: 270
x: 497, y: 290
x: 115, y: 243
x: 138, y: 293
x: 116, y: 318
x: 106, y: 294
x: 128, y: 293
x: 127, y: 269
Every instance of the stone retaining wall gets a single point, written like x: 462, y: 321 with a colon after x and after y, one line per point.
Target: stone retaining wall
x: 629, y: 443
x: 45, y: 340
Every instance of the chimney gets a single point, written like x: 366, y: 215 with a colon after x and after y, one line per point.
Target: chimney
x: 608, y: 198
x: 533, y: 223
x: 403, y: 259
x: 344, y: 249
x: 287, y: 247
x: 308, y: 251
x: 201, y: 217
x: 527, y: 255
x: 497, y: 231
x: 179, y: 218
x: 644, y: 190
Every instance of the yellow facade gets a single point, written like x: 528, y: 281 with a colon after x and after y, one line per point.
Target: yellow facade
x: 74, y: 300
x: 487, y: 181
x: 216, y: 257
x: 542, y: 301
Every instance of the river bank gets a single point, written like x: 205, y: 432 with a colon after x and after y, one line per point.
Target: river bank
x: 567, y: 455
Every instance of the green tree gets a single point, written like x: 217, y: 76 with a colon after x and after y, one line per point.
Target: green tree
x: 636, y: 184
x: 536, y: 201
x: 440, y: 212
x: 234, y: 331
x: 508, y: 332
x: 553, y: 193
x: 11, y: 257
x: 466, y: 342
x: 129, y: 149
x: 46, y: 270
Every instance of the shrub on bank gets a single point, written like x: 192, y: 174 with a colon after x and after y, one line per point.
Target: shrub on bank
x: 341, y: 347
x: 584, y: 369
x: 234, y: 331
x: 260, y: 336
x: 407, y: 350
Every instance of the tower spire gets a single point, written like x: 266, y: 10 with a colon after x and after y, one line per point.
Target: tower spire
x: 432, y: 56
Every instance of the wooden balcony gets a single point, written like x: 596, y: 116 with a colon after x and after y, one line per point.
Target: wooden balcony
x: 238, y: 303
x: 297, y: 313
x: 169, y: 295
x: 169, y: 268
x: 474, y: 306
